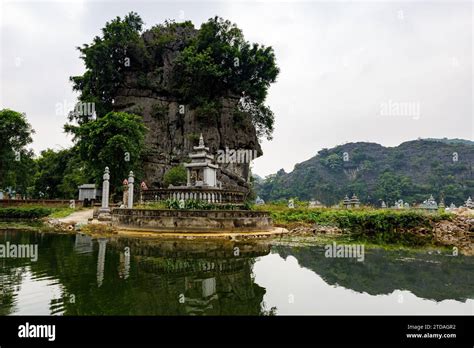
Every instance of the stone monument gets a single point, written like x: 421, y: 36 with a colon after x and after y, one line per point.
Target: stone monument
x: 104, y: 211
x: 201, y: 171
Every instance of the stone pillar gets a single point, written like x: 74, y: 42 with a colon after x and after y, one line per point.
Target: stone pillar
x: 105, y: 190
x: 104, y: 211
x: 131, y: 180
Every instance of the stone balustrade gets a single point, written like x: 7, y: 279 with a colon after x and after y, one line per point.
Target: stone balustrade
x: 209, y: 195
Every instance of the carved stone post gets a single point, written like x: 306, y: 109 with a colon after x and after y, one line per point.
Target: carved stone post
x: 131, y: 179
x: 104, y: 211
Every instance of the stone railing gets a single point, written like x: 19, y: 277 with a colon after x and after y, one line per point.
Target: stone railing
x: 203, y: 194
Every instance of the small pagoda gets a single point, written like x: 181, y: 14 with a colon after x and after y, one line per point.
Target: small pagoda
x: 429, y: 204
x: 355, y: 202
x: 346, y: 202
x: 469, y: 203
x: 201, y: 172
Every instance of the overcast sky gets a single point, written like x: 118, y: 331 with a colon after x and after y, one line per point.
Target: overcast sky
x: 384, y: 72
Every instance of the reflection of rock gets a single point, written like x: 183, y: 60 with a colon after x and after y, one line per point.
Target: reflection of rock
x: 437, y: 277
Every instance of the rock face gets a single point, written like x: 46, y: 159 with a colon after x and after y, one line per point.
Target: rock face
x: 174, y: 127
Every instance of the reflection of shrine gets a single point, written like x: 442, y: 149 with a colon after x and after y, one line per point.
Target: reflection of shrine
x: 192, y: 278
x: 83, y: 244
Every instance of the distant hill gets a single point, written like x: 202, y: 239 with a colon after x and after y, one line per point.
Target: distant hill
x: 451, y: 141
x: 411, y: 171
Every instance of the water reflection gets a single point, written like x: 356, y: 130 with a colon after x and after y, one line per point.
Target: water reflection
x: 79, y: 275
x: 101, y: 261
x: 431, y: 276
x: 132, y: 277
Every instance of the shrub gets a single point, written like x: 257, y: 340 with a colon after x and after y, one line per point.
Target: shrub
x: 175, y: 176
x: 381, y: 226
x: 24, y: 213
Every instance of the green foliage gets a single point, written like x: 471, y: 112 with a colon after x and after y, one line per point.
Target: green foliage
x: 115, y: 141
x: 212, y: 63
x: 333, y: 161
x: 58, y: 174
x: 218, y: 62
x: 24, y: 212
x: 59, y: 213
x: 16, y: 162
x: 390, y: 187
x: 106, y: 60
x: 175, y: 176
x: 412, y: 171
x: 208, y: 113
x: 378, y: 226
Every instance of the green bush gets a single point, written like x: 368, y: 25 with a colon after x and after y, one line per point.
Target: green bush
x: 380, y: 226
x: 208, y: 113
x: 175, y: 176
x: 24, y: 213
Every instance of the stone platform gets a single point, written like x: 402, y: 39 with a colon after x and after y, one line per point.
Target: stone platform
x: 193, y: 221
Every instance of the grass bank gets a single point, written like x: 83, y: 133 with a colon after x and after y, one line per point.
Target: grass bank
x: 33, y: 212
x: 378, y: 226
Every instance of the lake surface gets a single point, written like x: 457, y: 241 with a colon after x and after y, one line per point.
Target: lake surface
x: 77, y: 275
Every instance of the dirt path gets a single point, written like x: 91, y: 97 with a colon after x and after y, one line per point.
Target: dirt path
x: 78, y: 217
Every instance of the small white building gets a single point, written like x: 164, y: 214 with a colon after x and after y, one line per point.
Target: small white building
x: 87, y: 191
x: 201, y: 171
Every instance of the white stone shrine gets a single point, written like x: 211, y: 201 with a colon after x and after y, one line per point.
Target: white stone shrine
x: 201, y: 172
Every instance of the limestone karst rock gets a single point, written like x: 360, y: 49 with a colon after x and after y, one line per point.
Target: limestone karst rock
x: 174, y: 126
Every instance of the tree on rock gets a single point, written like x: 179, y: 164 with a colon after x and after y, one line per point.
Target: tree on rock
x: 211, y: 63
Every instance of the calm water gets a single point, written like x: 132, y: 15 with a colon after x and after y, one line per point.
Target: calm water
x: 77, y: 275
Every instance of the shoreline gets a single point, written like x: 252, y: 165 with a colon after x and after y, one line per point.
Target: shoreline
x: 438, y: 231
